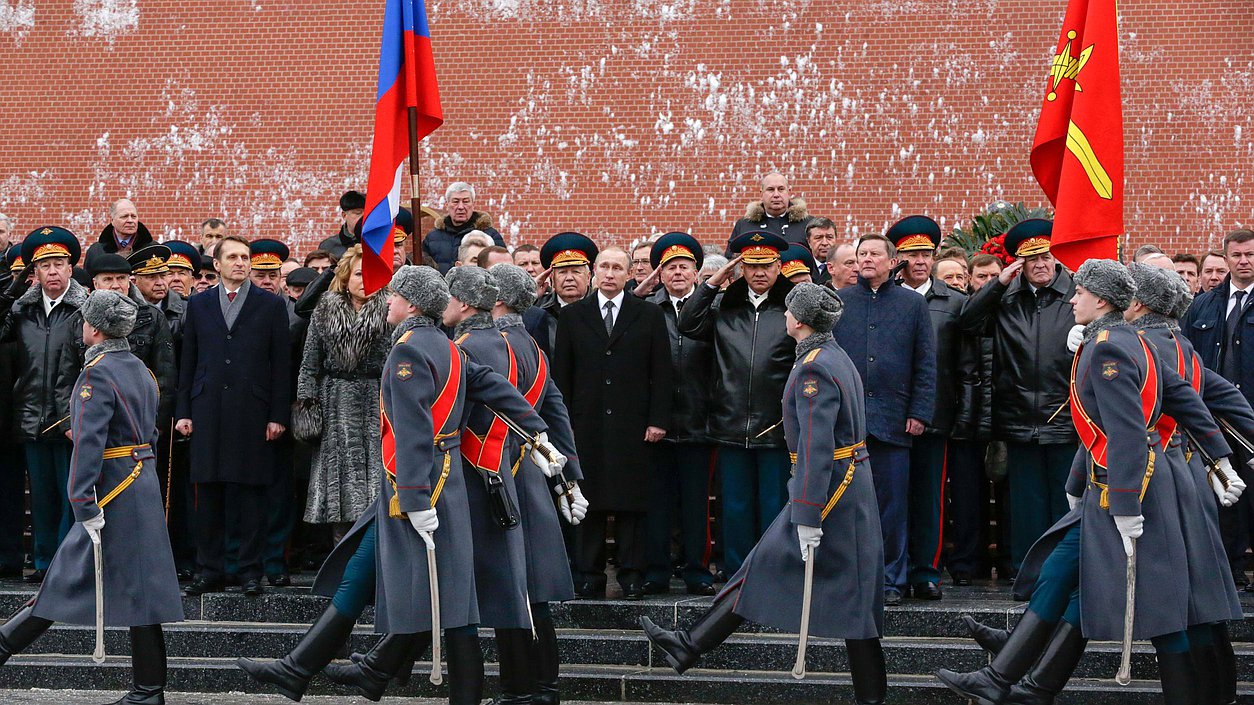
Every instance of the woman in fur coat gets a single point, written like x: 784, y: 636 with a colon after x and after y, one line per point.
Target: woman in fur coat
x: 337, y: 397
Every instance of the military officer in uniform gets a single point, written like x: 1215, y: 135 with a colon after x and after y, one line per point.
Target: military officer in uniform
x: 831, y: 517
x: 113, y: 419
x: 796, y: 264
x: 426, y: 391
x: 1074, y: 575
x: 567, y: 260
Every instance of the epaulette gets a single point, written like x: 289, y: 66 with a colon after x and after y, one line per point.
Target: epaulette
x: 404, y: 337
x: 462, y: 339
x: 1103, y: 336
x: 810, y: 357
x: 96, y: 359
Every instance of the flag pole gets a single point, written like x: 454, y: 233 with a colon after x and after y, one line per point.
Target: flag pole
x: 415, y: 195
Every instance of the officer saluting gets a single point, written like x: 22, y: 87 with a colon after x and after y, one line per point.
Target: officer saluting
x: 113, y: 418
x: 831, y: 518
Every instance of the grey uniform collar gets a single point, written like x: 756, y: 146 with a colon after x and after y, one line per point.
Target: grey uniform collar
x: 477, y: 321
x: 812, y: 342
x: 1155, y: 320
x: 411, y: 323
x: 509, y: 320
x: 106, y: 346
x: 1109, y: 320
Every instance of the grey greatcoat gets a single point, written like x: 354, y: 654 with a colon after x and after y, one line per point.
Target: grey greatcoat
x: 413, y: 377
x: 114, y: 405
x: 548, y: 568
x: 337, y: 405
x: 1110, y: 371
x: 1212, y: 593
x: 823, y: 413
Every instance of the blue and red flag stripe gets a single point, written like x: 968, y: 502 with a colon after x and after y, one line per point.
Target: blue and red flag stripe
x: 406, y: 79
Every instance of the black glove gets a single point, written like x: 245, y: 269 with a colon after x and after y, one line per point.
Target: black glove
x: 18, y: 286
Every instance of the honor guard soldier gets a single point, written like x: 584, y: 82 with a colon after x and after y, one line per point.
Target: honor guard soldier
x: 427, y: 386
x: 797, y: 265
x: 917, y: 238
x: 830, y: 519
x: 1121, y: 497
x: 113, y: 420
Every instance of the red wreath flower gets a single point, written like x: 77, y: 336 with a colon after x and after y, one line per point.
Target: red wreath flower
x: 997, y: 247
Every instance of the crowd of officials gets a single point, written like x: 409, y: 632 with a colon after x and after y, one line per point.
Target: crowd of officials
x: 671, y: 356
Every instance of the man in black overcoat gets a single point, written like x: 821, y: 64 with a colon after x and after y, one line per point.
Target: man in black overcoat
x: 612, y: 362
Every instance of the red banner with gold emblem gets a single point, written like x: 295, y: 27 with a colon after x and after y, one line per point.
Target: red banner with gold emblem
x: 1077, y: 155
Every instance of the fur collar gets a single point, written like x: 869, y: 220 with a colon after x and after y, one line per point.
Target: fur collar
x: 810, y: 343
x: 1154, y: 320
x: 106, y: 346
x: 351, y: 336
x: 478, y: 321
x: 1114, y: 319
x: 75, y: 295
x: 477, y: 221
x: 412, y: 323
x: 737, y: 293
x: 509, y: 320
x: 796, y: 211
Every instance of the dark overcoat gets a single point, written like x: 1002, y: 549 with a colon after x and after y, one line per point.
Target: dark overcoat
x: 1204, y: 325
x: 548, y: 568
x: 1110, y: 371
x: 114, y: 405
x: 428, y: 475
x: 232, y: 382
x: 693, y: 361
x: 944, y: 305
x: 888, y: 335
x: 617, y: 385
x: 823, y: 412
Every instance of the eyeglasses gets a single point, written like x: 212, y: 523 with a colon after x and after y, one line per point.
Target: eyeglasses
x: 639, y: 261
x: 206, y: 276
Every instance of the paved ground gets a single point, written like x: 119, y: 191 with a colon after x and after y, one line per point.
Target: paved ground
x: 95, y: 697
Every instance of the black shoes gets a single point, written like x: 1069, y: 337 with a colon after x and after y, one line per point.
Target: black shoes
x: 589, y: 590
x: 892, y: 597
x: 290, y: 675
x: 201, y: 586
x: 961, y: 578
x: 653, y: 587
x: 36, y: 576
x: 253, y: 587
x: 989, y: 685
x: 683, y: 648
x: 279, y: 580
x: 926, y: 591
x: 633, y: 591
x: 370, y: 673
x: 148, y: 666
x: 990, y: 639
x: 703, y: 589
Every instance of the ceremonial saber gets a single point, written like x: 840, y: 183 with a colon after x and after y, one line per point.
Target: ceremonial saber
x: 768, y: 429
x: 1124, y: 676
x: 99, y: 654
x: 799, y: 668
x: 1207, y: 460
x: 437, y: 673
x: 567, y: 486
x: 1241, y: 440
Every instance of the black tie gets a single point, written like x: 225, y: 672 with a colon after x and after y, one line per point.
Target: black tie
x: 679, y: 305
x: 1231, y: 364
x: 609, y: 317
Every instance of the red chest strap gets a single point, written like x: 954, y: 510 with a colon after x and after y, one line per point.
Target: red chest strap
x: 486, y: 452
x: 441, y: 410
x: 1092, y: 435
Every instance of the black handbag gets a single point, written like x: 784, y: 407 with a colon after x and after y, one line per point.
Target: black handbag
x: 500, y: 504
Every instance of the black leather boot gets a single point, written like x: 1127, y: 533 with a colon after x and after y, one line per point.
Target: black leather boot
x: 547, y: 661
x: 1052, y: 671
x: 515, y: 652
x: 148, y: 667
x: 1225, y: 665
x: 684, y: 647
x: 370, y: 674
x: 405, y: 671
x: 22, y: 629
x: 465, y: 667
x: 290, y: 675
x: 866, y: 667
x: 1175, y: 672
x: 1206, y: 670
x: 990, y: 639
x: 990, y: 684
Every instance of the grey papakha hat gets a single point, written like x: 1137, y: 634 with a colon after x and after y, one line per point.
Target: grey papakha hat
x: 1108, y: 280
x: 423, y: 287
x: 110, y: 313
x: 1185, y: 299
x: 473, y: 286
x: 1155, y: 288
x: 816, y: 306
x: 518, y: 289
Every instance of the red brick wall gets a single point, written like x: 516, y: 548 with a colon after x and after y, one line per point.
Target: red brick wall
x: 614, y: 117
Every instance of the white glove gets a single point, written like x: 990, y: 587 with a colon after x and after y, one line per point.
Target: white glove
x: 1130, y: 528
x: 1073, y: 502
x: 1227, y: 496
x: 573, y: 512
x: 425, y: 521
x: 1075, y: 337
x: 550, y: 469
x: 94, y: 525
x: 808, y: 537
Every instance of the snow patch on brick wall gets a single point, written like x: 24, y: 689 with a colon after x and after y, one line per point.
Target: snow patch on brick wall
x: 17, y: 18
x: 108, y: 19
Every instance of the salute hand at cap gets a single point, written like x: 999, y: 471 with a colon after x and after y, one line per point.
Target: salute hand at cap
x: 808, y: 537
x: 1130, y: 529
x: 1010, y: 272
x: 18, y: 285
x: 93, y: 526
x: 1074, y: 337
x: 425, y: 521
x: 573, y: 508
x: 546, y: 457
x: 724, y: 273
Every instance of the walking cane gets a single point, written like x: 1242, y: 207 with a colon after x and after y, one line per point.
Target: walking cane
x: 799, y: 668
x: 437, y: 674
x: 99, y: 654
x: 1124, y: 676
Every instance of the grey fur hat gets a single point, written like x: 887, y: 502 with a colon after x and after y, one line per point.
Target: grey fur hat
x: 1107, y: 279
x: 518, y: 289
x: 1155, y: 288
x: 816, y: 306
x: 110, y: 313
x: 1184, y: 301
x: 423, y: 287
x: 473, y: 286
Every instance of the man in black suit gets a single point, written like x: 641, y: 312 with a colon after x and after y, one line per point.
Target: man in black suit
x: 612, y: 362
x: 234, y: 401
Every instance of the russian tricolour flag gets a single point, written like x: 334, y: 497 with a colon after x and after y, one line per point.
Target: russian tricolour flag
x: 406, y: 80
